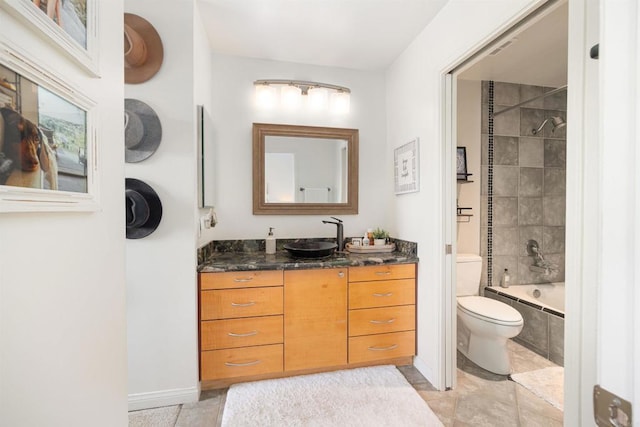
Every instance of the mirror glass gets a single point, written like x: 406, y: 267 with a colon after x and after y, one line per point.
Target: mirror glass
x: 304, y: 170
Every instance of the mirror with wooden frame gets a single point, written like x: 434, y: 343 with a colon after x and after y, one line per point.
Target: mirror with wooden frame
x: 304, y: 170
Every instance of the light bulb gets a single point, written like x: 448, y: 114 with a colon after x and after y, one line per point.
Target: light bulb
x: 318, y: 98
x: 265, y: 96
x: 340, y: 102
x: 290, y: 96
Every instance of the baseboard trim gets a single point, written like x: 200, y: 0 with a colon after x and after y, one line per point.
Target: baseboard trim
x: 156, y: 399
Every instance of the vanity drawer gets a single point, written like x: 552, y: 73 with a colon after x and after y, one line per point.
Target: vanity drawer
x: 240, y: 279
x: 235, y: 303
x: 382, y: 272
x: 382, y: 346
x: 232, y: 333
x: 382, y: 293
x: 240, y: 362
x: 382, y: 320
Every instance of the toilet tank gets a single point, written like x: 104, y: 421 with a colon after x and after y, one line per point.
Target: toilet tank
x: 468, y: 271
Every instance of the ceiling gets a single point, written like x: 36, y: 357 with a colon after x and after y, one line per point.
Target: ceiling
x: 537, y: 54
x: 371, y: 34
x: 357, y: 34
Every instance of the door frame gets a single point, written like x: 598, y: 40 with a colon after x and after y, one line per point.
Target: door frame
x: 580, y: 335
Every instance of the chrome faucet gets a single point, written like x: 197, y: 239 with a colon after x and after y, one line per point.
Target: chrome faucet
x: 340, y: 235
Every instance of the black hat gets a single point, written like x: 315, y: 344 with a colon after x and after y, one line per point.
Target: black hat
x: 143, y: 209
x: 142, y: 131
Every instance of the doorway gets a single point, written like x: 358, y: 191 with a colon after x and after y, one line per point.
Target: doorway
x: 504, y: 201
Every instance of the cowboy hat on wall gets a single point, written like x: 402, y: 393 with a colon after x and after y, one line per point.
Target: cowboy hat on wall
x: 143, y: 52
x: 143, y: 209
x: 142, y: 131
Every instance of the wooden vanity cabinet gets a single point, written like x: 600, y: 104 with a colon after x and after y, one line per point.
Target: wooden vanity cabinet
x: 382, y: 312
x: 241, y: 324
x: 315, y: 321
x: 266, y: 324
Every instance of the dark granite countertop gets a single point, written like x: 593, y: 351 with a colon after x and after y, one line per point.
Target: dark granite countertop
x: 243, y: 255
x: 281, y: 260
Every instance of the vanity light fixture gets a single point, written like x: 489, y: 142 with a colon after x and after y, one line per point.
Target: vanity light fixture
x: 293, y: 92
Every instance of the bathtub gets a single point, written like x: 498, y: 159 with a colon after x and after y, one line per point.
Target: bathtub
x: 542, y: 308
x: 548, y: 296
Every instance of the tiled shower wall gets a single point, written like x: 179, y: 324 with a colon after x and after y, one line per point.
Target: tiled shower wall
x: 528, y: 183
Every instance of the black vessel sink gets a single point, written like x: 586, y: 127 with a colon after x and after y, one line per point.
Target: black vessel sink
x: 310, y: 249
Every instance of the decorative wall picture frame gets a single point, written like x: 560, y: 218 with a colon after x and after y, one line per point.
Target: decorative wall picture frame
x: 461, y: 164
x: 69, y: 25
x: 406, y: 170
x: 48, y: 144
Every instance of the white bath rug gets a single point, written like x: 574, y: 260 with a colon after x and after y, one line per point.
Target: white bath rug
x: 547, y: 383
x: 375, y: 396
x: 156, y: 417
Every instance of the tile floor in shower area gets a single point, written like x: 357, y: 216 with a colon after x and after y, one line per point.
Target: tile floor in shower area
x: 481, y: 398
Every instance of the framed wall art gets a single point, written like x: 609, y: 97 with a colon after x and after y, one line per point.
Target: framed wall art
x: 70, y: 25
x: 461, y: 164
x: 406, y: 169
x: 48, y: 159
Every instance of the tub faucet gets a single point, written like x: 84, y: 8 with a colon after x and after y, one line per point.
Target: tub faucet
x: 340, y: 232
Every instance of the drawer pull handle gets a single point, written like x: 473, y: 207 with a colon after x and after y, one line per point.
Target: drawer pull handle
x: 253, y: 362
x: 242, y: 280
x: 391, y: 347
x: 245, y: 304
x: 379, y: 322
x: 248, y: 334
x: 388, y: 294
x: 383, y: 273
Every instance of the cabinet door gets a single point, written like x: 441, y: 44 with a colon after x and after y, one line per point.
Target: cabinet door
x: 240, y: 279
x: 315, y: 318
x: 240, y: 362
x: 368, y: 348
x: 382, y: 320
x: 235, y: 303
x: 382, y: 272
x: 243, y: 332
x: 383, y: 293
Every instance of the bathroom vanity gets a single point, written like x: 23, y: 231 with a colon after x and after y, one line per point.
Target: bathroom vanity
x: 274, y: 316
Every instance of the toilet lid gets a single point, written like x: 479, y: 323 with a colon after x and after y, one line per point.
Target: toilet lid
x: 493, y: 310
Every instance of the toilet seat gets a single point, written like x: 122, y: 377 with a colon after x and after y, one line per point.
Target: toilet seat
x: 490, y: 310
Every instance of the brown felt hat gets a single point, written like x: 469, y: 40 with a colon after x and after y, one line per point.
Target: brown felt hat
x: 143, y: 50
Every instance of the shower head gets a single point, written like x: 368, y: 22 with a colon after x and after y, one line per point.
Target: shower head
x: 557, y: 121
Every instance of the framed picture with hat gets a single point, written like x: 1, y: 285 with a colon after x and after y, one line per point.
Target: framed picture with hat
x: 48, y: 146
x: 69, y: 25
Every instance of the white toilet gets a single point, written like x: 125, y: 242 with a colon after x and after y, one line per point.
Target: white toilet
x: 484, y: 324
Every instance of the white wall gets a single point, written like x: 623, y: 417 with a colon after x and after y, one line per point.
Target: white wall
x: 469, y: 136
x: 161, y: 268
x: 233, y: 113
x: 415, y: 108
x: 618, y: 291
x: 62, y: 288
x: 202, y: 96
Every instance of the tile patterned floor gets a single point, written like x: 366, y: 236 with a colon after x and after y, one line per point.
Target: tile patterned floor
x: 481, y: 398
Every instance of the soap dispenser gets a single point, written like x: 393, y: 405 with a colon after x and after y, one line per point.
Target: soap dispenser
x: 506, y: 279
x: 270, y: 243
